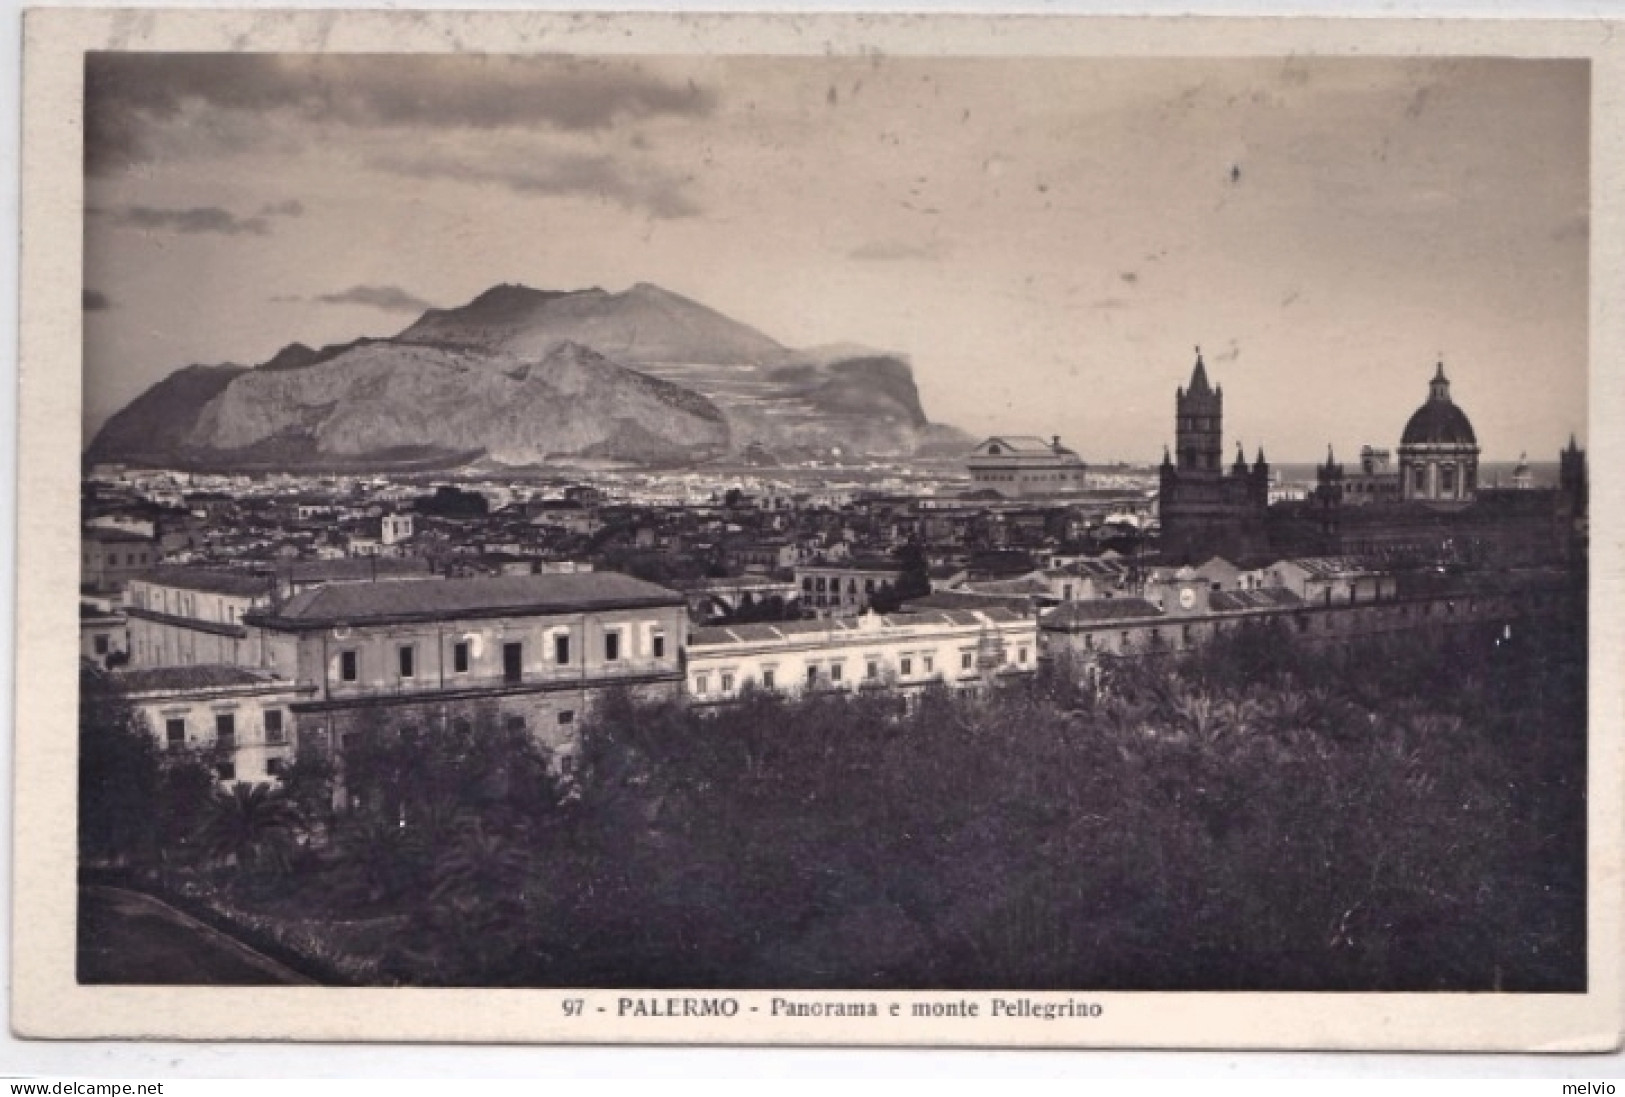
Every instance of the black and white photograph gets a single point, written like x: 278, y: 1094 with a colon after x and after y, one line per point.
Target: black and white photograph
x: 778, y: 536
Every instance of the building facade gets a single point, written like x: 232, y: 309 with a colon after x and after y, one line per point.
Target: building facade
x: 536, y: 649
x: 845, y: 589
x: 191, y: 616
x: 962, y: 649
x: 1438, y: 452
x: 1020, y: 467
x: 240, y: 719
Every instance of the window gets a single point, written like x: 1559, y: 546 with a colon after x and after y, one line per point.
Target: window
x: 101, y: 644
x: 1021, y: 655
x: 273, y: 725
x: 567, y: 717
x: 408, y: 660
x: 274, y: 767
x: 561, y: 649
x: 567, y: 762
x: 928, y: 664
x: 227, y: 771
x: 767, y: 679
x: 966, y: 660
x: 871, y: 669
x: 1089, y: 641
x: 514, y: 723
x: 812, y: 676
x: 835, y: 672
x: 225, y: 731
x: 175, y: 733
x: 727, y: 683
x: 612, y: 646
x: 459, y: 657
x: 660, y: 645
x: 348, y: 670
x: 513, y: 662
x: 702, y: 683
x: 869, y: 586
x: 907, y: 667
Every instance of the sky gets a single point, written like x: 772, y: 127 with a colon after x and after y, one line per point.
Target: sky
x: 1047, y: 240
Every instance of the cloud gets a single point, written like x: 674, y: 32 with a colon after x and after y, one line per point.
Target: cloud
x: 131, y: 97
x: 291, y: 208
x: 94, y: 300
x: 387, y: 298
x: 624, y: 182
x: 198, y: 219
x: 892, y: 251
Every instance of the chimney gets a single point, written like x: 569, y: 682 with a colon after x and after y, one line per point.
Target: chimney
x: 1055, y: 443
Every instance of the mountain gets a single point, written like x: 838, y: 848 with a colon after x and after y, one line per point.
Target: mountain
x: 382, y: 404
x: 841, y: 398
x: 159, y: 422
x: 519, y: 376
x: 644, y: 324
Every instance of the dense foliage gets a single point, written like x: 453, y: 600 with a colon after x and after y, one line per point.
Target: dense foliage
x: 1405, y: 814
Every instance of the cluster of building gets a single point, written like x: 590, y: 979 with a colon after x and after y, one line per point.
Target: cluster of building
x: 254, y: 619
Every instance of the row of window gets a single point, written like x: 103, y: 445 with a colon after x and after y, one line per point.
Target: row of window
x: 225, y: 730
x: 836, y: 674
x: 513, y: 657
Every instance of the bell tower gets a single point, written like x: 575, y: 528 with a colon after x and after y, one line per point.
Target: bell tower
x: 1199, y: 423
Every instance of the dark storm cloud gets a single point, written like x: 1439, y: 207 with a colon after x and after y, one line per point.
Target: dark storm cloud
x: 128, y: 96
x: 94, y: 300
x: 195, y: 220
x: 640, y: 188
x: 387, y: 298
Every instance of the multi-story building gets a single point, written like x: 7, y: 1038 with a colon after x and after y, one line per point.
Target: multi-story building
x: 1020, y: 467
x: 962, y: 649
x: 241, y: 719
x: 109, y: 557
x: 189, y: 616
x: 845, y: 589
x: 104, y: 634
x: 538, y: 649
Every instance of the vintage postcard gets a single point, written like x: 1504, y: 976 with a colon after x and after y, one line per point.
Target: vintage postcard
x: 819, y: 529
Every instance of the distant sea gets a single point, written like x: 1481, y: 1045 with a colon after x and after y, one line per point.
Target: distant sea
x: 1543, y: 474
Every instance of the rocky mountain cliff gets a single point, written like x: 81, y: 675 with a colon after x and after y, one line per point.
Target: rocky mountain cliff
x: 521, y: 376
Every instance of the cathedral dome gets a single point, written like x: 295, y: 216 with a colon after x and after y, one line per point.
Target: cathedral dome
x: 1439, y: 421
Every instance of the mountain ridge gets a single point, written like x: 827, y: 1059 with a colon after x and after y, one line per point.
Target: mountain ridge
x: 521, y: 376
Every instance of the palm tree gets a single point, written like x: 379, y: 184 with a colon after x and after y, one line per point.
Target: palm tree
x: 251, y: 825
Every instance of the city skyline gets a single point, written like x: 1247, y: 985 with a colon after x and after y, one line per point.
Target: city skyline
x: 1016, y: 228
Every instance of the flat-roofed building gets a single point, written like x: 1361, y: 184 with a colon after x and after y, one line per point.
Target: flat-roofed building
x: 109, y: 557
x: 846, y: 588
x: 539, y: 648
x: 962, y: 649
x: 104, y: 635
x: 240, y: 719
x: 180, y: 616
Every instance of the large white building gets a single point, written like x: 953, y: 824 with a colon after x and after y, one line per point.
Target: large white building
x: 1019, y: 467
x: 241, y: 719
x: 908, y: 651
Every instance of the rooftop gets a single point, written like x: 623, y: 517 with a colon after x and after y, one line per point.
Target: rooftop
x: 850, y: 628
x: 441, y: 599
x: 196, y: 677
x: 1236, y: 601
x: 211, y: 581
x: 1098, y: 611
